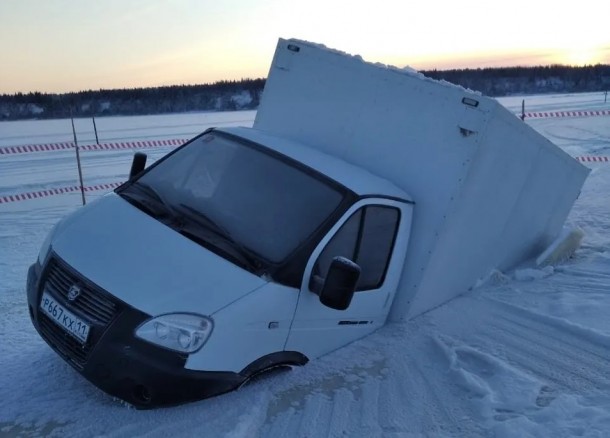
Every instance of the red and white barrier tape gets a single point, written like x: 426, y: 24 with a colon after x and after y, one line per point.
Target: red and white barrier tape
x: 57, y: 191
x: 593, y: 159
x: 133, y: 144
x: 34, y: 148
x: 45, y: 147
x: 588, y: 113
x: 62, y: 190
x: 29, y: 148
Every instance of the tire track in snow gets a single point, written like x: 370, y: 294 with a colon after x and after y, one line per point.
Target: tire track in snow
x: 447, y: 412
x: 579, y: 338
x: 403, y: 396
x: 280, y: 425
x: 587, y: 278
x: 547, y: 366
x: 306, y: 411
x: 307, y: 424
x: 549, y: 352
x: 419, y: 388
x: 554, y: 338
x: 319, y: 416
x: 369, y: 409
x: 340, y: 418
x: 416, y: 396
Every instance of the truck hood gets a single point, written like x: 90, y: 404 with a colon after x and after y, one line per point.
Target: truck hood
x: 145, y: 263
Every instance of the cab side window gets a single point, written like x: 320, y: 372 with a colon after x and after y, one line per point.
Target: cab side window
x: 366, y: 238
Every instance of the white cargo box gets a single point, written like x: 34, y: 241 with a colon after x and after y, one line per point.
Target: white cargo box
x: 489, y: 191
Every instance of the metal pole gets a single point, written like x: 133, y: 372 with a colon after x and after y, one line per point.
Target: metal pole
x: 80, y: 171
x: 95, y: 130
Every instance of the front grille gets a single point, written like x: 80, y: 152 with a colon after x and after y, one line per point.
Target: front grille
x: 94, y: 305
x: 65, y: 343
x: 92, y: 302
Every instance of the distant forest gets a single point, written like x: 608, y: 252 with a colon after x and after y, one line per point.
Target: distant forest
x: 509, y: 81
x: 245, y: 94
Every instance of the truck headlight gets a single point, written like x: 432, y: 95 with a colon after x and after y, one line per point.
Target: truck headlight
x: 183, y: 332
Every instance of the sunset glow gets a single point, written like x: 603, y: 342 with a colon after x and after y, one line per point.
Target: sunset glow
x: 70, y: 45
x: 583, y: 56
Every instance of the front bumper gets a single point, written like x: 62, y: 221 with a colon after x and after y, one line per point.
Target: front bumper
x: 117, y: 362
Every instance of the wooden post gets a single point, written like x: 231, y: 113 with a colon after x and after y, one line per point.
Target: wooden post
x: 80, y: 171
x: 95, y: 130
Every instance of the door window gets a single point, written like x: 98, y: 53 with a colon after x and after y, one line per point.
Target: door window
x: 366, y: 238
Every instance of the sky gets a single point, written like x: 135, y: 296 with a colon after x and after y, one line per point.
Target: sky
x: 73, y: 45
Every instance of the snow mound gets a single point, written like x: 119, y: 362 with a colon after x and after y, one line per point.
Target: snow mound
x: 562, y: 248
x: 529, y: 274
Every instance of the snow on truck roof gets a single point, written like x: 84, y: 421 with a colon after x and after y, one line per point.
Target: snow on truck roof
x: 406, y: 70
x: 358, y: 180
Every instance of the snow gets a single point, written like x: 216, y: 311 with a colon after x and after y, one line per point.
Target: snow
x: 521, y: 355
x: 406, y: 70
x: 242, y: 99
x: 562, y: 248
x: 35, y: 109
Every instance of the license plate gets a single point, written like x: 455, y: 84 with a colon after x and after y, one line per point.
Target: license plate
x: 64, y: 318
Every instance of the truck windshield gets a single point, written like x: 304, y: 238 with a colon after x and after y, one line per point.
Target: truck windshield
x: 265, y: 203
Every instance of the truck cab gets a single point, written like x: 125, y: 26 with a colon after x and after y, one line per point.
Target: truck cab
x: 236, y: 253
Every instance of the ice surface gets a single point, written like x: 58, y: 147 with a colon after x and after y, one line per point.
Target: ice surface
x: 511, y: 359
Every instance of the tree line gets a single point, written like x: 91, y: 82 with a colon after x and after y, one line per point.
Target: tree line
x: 218, y: 96
x: 246, y: 93
x: 508, y: 81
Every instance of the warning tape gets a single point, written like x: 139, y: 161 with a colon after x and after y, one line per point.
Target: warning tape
x: 57, y: 191
x: 133, y: 144
x: 62, y: 190
x: 593, y: 159
x: 30, y: 148
x: 588, y: 113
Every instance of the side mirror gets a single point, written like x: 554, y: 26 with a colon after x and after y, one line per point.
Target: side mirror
x: 138, y: 164
x: 340, y: 283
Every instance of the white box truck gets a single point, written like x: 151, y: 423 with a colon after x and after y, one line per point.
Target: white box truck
x: 363, y: 193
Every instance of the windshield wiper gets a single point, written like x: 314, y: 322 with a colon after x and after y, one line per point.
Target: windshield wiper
x: 182, y: 217
x: 214, y: 245
x: 159, y: 208
x: 204, y: 220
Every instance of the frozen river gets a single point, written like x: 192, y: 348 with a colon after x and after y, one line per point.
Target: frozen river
x: 515, y: 357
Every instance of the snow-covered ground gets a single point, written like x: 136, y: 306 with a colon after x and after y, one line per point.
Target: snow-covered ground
x: 512, y: 358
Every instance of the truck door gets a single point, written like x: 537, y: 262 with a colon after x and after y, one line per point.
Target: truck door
x: 374, y: 234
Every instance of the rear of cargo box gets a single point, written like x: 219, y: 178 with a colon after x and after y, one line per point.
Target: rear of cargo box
x: 513, y: 203
x: 432, y: 140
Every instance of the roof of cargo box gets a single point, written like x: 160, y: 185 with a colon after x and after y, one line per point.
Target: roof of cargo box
x: 294, y: 45
x: 360, y: 181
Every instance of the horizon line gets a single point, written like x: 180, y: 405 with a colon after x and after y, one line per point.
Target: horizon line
x: 426, y: 70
